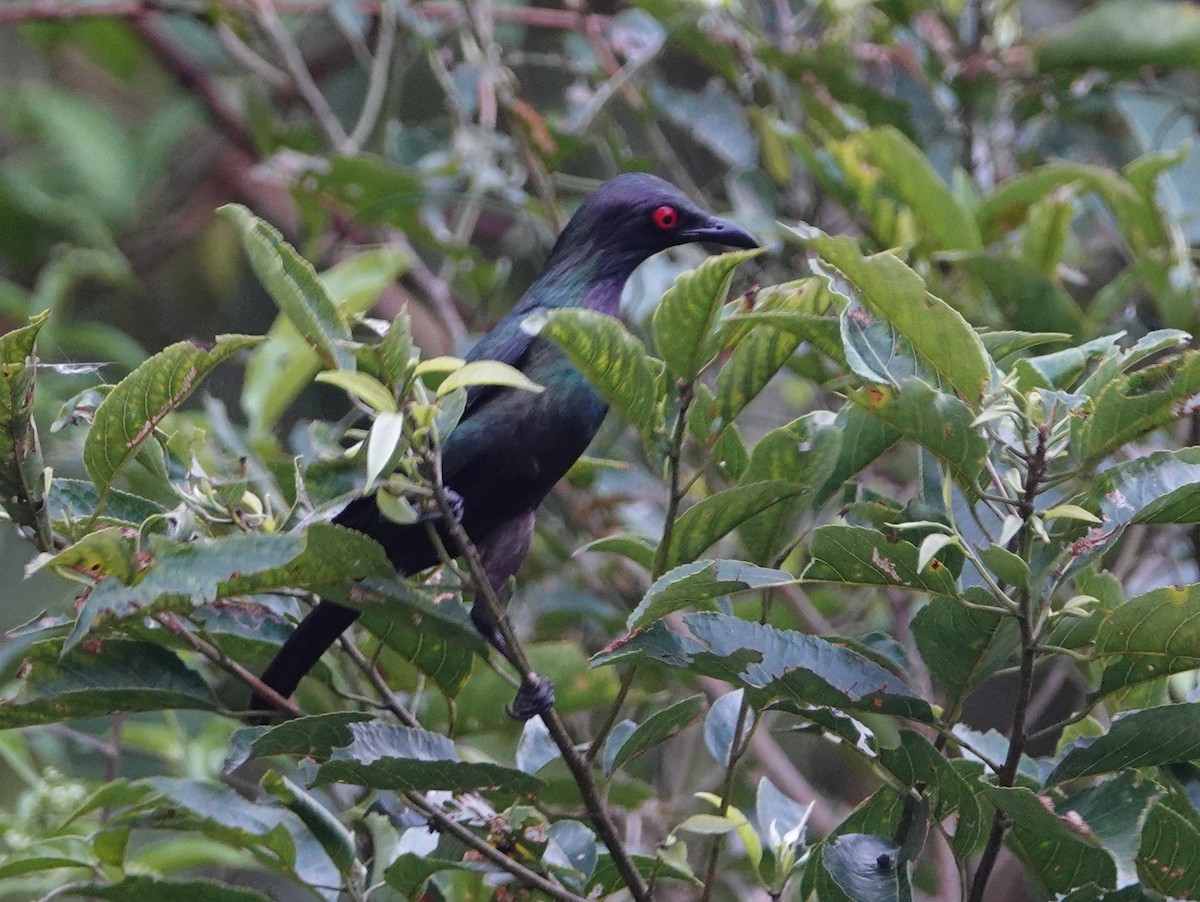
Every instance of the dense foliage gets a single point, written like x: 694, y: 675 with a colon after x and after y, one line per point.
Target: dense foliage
x: 880, y: 583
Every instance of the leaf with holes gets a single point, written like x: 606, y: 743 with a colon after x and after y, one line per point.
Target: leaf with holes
x: 866, y: 557
x: 694, y: 584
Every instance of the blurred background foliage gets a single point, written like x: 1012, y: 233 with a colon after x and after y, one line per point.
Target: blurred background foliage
x: 1032, y: 161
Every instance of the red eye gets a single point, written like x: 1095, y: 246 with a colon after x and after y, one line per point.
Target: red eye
x: 666, y: 218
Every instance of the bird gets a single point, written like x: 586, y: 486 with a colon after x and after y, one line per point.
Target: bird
x: 511, y: 446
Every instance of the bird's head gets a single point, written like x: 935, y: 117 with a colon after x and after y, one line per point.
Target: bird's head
x: 636, y: 215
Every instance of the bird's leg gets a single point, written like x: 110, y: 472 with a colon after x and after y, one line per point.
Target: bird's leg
x: 501, y: 553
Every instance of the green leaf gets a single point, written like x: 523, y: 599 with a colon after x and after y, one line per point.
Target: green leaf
x: 935, y: 420
x: 76, y: 499
x: 709, y: 520
x: 1061, y: 369
x: 1144, y: 738
x: 804, y: 453
x: 686, y: 318
x: 938, y: 333
x: 613, y: 360
x: 184, y: 576
x: 771, y: 663
x: 363, y: 386
x: 22, y: 482
x: 864, y: 438
x: 1162, y: 487
x: 1001, y: 343
x: 1007, y: 567
x: 1148, y: 637
x: 953, y: 787
x: 1167, y: 36
x: 487, y: 372
x: 658, y: 727
x: 945, y: 222
x: 140, y: 402
x: 759, y: 355
x: 1132, y: 404
x: 1061, y: 851
x: 315, y: 736
x: 284, y: 364
x: 963, y: 646
x: 691, y: 585
x: 1168, y: 853
x: 156, y: 889
x: 1115, y: 812
x: 117, y: 675
x: 293, y: 285
x: 337, y: 840
x: 403, y: 759
x: 638, y: 549
x: 866, y: 557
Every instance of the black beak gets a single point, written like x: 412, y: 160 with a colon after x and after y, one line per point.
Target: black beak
x: 722, y: 231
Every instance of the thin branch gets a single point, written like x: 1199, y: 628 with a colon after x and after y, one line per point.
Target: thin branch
x: 386, y: 695
x: 214, y: 654
x: 444, y: 822
x: 377, y: 81
x: 293, y: 60
x: 580, y: 769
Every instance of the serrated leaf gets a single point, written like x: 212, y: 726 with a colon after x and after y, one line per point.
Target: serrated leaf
x: 657, y: 728
x: 962, y: 646
x: 1145, y: 738
x: 1162, y: 487
x: 1069, y: 512
x: 945, y: 223
x: 759, y: 355
x: 184, y: 576
x: 930, y: 546
x: 403, y: 759
x: 285, y: 363
x: 935, y: 420
x: 1168, y: 852
x: 1060, y: 851
x: 720, y: 725
x: 938, y: 333
x: 76, y: 499
x: 866, y: 557
x: 487, y: 372
x: 613, y: 360
x: 691, y: 585
x: 140, y: 401
x: 771, y: 663
x: 117, y: 675
x: 1132, y: 404
x: 686, y: 318
x: 292, y: 283
x: 1149, y: 637
x: 708, y: 521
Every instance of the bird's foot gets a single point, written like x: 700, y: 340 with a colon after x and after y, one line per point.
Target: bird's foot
x: 457, y: 507
x: 536, y: 696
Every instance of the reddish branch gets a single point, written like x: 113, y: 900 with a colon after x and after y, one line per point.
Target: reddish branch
x: 61, y: 10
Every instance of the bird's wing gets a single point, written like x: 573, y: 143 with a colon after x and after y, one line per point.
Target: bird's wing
x: 506, y: 343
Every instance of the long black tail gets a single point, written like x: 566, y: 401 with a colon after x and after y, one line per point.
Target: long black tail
x: 304, y: 647
x: 410, y: 551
